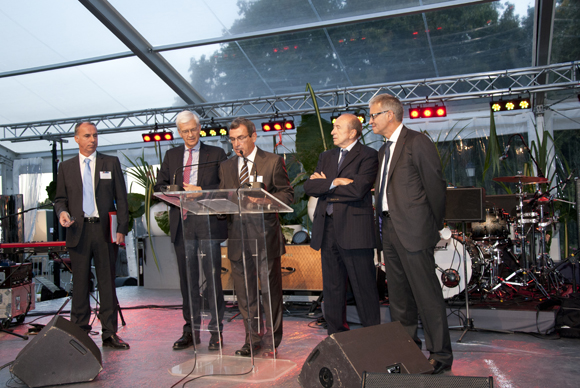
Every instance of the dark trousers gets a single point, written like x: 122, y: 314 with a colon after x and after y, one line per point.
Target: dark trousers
x: 93, y: 246
x: 415, y: 290
x: 340, y: 265
x: 189, y: 280
x: 269, y: 275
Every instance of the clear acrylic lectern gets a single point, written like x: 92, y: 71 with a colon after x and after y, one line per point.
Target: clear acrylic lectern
x: 248, y: 212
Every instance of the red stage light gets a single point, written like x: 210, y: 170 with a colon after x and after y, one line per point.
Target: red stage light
x: 414, y: 113
x: 266, y: 127
x: 440, y: 111
x: 278, y: 126
x: 146, y: 137
x: 289, y: 124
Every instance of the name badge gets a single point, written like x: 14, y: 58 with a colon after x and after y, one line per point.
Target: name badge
x: 105, y: 174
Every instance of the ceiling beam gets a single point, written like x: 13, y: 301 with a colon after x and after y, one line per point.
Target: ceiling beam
x: 121, y: 28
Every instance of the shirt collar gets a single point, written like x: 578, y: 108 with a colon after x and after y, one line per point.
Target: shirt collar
x: 395, y: 136
x: 91, y: 157
x: 195, y: 148
x: 349, y: 148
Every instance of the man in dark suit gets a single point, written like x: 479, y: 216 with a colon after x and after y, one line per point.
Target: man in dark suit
x: 234, y: 173
x: 410, y: 203
x: 88, y: 188
x: 202, y: 176
x: 343, y: 224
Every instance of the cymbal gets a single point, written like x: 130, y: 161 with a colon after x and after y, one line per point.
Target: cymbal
x: 521, y: 179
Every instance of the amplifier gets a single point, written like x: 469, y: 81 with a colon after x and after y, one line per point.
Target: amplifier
x: 17, y: 301
x: 15, y: 275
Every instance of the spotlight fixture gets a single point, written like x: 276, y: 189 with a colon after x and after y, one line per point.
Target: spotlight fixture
x: 157, y: 136
x: 278, y: 125
x: 213, y: 129
x: 334, y: 117
x: 361, y: 117
x: 509, y: 105
x: 427, y: 112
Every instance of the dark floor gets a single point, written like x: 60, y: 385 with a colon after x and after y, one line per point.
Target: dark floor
x: 514, y: 360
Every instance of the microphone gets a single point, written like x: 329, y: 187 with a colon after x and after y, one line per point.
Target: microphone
x: 505, y: 153
x: 174, y: 187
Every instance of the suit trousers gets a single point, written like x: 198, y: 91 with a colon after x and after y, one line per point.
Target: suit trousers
x: 338, y: 267
x: 104, y: 255
x: 414, y: 291
x: 189, y: 281
x: 270, y: 277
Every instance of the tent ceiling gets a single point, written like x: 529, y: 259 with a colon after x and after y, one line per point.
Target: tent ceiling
x: 231, y: 49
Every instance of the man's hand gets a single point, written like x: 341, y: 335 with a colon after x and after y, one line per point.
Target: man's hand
x: 65, y: 220
x: 318, y: 175
x: 120, y: 239
x: 188, y: 187
x: 341, y: 181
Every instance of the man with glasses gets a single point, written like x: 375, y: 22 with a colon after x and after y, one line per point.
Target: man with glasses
x: 194, y: 166
x: 410, y: 204
x: 343, y: 226
x: 251, y: 161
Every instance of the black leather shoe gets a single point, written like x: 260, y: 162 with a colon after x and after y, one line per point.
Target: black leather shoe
x: 116, y: 342
x: 215, y: 341
x: 245, y: 350
x: 186, y: 341
x: 439, y: 367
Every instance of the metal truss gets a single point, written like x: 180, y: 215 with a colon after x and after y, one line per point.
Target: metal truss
x: 471, y: 86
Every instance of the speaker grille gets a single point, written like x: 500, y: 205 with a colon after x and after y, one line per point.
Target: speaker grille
x: 380, y: 380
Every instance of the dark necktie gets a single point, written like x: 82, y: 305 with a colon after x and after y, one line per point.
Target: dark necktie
x: 385, y: 171
x: 244, y: 175
x: 343, y: 152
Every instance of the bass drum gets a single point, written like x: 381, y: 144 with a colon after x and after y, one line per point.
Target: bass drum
x: 449, y: 265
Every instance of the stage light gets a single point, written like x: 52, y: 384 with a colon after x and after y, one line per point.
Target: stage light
x: 333, y: 118
x: 427, y: 113
x: 213, y: 129
x: 440, y: 111
x: 361, y: 117
x: 510, y: 105
x: 415, y: 113
x: 203, y: 133
x: 157, y: 136
x: 278, y: 125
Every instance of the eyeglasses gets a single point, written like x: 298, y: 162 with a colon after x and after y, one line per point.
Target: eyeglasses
x: 374, y: 115
x: 188, y: 132
x: 240, y: 139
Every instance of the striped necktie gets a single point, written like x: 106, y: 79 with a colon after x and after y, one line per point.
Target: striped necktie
x: 244, y: 174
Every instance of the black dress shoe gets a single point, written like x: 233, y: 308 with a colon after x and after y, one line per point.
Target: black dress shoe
x: 215, y: 341
x: 245, y: 350
x: 439, y: 367
x: 116, y: 342
x: 186, y: 340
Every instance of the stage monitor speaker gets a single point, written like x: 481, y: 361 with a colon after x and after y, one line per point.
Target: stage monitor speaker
x: 465, y: 204
x: 61, y: 353
x: 342, y: 358
x: 380, y: 380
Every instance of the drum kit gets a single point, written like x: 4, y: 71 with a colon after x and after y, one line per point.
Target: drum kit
x: 506, y: 254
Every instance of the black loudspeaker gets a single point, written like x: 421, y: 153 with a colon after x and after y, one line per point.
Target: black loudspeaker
x: 61, y: 353
x: 381, y: 380
x: 342, y: 358
x: 465, y: 204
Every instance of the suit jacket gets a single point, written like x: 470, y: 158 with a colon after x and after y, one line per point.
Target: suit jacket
x: 415, y: 190
x: 207, y: 179
x: 273, y: 172
x: 352, y: 204
x: 108, y: 192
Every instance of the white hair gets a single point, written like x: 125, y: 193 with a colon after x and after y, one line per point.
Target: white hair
x: 185, y: 117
